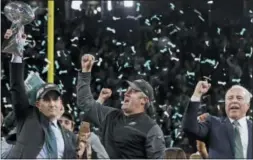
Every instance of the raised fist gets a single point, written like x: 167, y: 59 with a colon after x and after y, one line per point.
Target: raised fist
x: 104, y: 95
x: 201, y: 88
x: 87, y: 62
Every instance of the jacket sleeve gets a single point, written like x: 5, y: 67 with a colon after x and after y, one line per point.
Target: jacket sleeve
x: 93, y: 111
x: 191, y: 126
x: 97, y: 146
x: 155, y: 143
x: 17, y: 88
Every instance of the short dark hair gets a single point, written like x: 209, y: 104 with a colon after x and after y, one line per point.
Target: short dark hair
x: 68, y: 116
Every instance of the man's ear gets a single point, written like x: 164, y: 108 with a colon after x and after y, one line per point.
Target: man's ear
x: 37, y: 104
x: 145, y: 101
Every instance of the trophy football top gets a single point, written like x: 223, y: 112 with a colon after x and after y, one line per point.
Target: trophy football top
x: 19, y: 13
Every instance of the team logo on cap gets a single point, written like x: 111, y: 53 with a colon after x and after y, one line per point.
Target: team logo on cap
x: 39, y: 92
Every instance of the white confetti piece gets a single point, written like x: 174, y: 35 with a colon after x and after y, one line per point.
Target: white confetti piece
x: 180, y: 11
x: 8, y: 106
x: 63, y: 72
x: 147, y: 22
x: 172, y: 6
x: 133, y: 49
x: 46, y: 60
x: 4, y: 100
x: 69, y: 107
x: 58, y: 53
x: 249, y: 54
x: 99, y: 62
x: 120, y: 76
x: 174, y: 59
x: 201, y: 18
x: 171, y: 44
x: 155, y: 39
x: 155, y: 17
x: 111, y: 30
x: 222, y: 83
x: 218, y: 30
x: 73, y: 39
x: 190, y: 73
x: 7, y: 86
x: 196, y: 11
x: 174, y: 31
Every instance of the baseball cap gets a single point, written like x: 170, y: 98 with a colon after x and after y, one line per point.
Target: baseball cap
x: 45, y: 88
x: 143, y: 86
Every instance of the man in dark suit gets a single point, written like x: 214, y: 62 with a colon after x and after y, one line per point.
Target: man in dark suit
x: 229, y: 137
x: 39, y: 135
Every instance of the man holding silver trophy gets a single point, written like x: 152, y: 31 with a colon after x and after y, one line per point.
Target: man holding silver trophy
x: 39, y: 135
x: 20, y: 14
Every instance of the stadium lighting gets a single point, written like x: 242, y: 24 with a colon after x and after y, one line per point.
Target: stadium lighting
x: 99, y: 9
x: 210, y: 2
x: 128, y: 4
x: 76, y: 5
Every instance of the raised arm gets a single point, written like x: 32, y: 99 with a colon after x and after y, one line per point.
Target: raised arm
x: 191, y: 126
x: 94, y: 111
x: 17, y: 87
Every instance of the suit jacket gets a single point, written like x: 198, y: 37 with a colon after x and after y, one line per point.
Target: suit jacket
x: 31, y: 122
x: 217, y: 132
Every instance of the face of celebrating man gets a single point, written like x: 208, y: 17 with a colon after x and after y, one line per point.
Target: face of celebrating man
x: 50, y: 105
x: 236, y: 103
x: 134, y: 100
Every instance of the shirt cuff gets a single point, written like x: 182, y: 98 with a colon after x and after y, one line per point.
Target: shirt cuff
x: 16, y: 59
x: 195, y: 99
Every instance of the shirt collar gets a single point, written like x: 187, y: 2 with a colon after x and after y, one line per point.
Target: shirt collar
x: 242, y: 121
x: 54, y: 122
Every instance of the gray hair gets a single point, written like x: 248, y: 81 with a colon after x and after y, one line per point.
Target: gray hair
x: 248, y: 95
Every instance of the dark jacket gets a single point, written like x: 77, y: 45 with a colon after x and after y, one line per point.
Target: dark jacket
x: 135, y: 136
x: 215, y: 131
x: 30, y: 122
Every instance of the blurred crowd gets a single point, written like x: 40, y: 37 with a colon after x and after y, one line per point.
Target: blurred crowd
x: 172, y: 50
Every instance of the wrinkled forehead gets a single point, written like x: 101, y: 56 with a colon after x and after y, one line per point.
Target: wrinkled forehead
x: 236, y: 91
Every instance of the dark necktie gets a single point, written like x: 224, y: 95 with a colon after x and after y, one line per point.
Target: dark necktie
x: 238, y: 143
x: 51, y: 142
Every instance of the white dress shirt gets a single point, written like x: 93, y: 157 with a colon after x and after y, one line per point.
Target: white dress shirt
x: 244, y: 134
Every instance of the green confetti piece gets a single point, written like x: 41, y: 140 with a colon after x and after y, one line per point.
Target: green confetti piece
x: 236, y: 80
x: 74, y: 81
x: 249, y: 54
x: 147, y: 22
x: 218, y: 30
x: 155, y: 17
x: 126, y: 65
x: 138, y: 7
x: 242, y: 31
x: 57, y: 66
x: 147, y: 64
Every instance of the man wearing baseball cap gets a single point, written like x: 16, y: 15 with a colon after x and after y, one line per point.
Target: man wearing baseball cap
x: 38, y: 133
x: 128, y: 133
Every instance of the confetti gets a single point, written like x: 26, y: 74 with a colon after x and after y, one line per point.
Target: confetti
x: 111, y: 30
